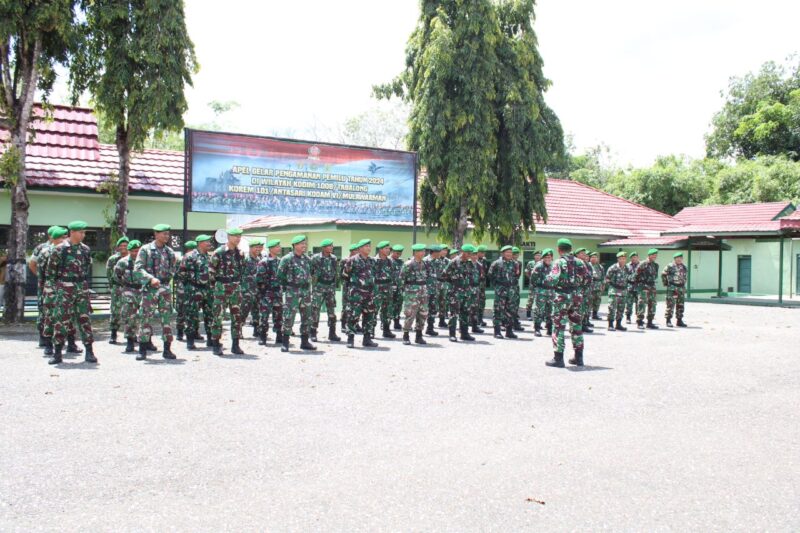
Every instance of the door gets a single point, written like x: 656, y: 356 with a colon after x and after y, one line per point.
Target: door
x: 744, y: 271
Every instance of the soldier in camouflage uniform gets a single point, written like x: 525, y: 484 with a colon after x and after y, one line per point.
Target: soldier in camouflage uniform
x: 359, y: 271
x: 433, y: 286
x: 414, y: 277
x: 617, y: 281
x: 484, y: 264
x: 153, y: 269
x: 461, y: 274
x: 633, y: 291
x: 442, y: 288
x: 646, y: 276
x: 598, y: 277
x: 674, y: 278
x: 345, y: 291
x: 567, y: 278
x: 130, y: 294
x: 193, y: 270
x: 250, y: 306
x: 68, y: 270
x: 324, y: 278
x: 542, y: 295
x: 45, y: 297
x: 475, y: 292
x: 33, y: 265
x: 396, y: 306
x: 537, y: 256
x: 225, y: 273
x: 586, y: 288
x: 517, y: 292
x: 294, y: 276
x: 179, y: 286
x: 269, y: 293
x: 383, y: 271
x: 503, y: 275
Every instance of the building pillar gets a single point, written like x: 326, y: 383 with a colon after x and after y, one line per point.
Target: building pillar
x: 780, y: 272
x: 689, y: 269
x: 719, y: 271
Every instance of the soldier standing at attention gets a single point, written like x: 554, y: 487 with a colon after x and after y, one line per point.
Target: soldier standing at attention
x: 565, y: 279
x: 598, y: 278
x: 502, y: 275
x: 249, y: 288
x: 475, y: 290
x: 345, y: 321
x: 414, y: 284
x: 617, y: 281
x: 433, y: 287
x: 130, y: 294
x: 516, y: 298
x: 443, y: 288
x: 193, y: 271
x: 114, y: 290
x: 67, y: 270
x: 225, y: 273
x: 537, y: 256
x: 179, y: 286
x: 154, y: 267
x: 33, y: 265
x: 585, y: 288
x: 324, y: 277
x: 460, y: 274
x: 269, y: 293
x: 384, y: 288
x: 483, y: 263
x: 674, y: 278
x: 397, y: 291
x: 633, y: 291
x: 542, y: 295
x: 646, y: 276
x: 294, y: 276
x: 360, y: 275
x: 45, y: 297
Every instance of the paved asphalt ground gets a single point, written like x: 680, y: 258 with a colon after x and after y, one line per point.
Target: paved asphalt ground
x: 679, y: 430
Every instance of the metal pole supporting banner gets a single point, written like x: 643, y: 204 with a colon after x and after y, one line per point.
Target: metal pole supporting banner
x: 185, y: 233
x: 414, y: 207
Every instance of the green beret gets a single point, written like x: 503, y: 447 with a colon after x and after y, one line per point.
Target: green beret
x: 161, y: 227
x: 564, y: 243
x: 468, y: 248
x: 202, y: 238
x: 435, y: 248
x: 383, y: 244
x: 234, y: 231
x: 547, y: 251
x: 652, y: 251
x: 326, y: 242
x: 77, y: 225
x: 51, y: 229
x: 419, y: 247
x: 506, y: 247
x: 579, y: 250
x: 677, y: 254
x: 537, y: 252
x: 594, y: 254
x: 273, y: 243
x: 444, y: 247
x: 58, y: 232
x: 515, y: 250
x: 122, y: 239
x: 399, y: 248
x: 136, y: 244
x: 298, y: 239
x: 622, y: 254
x: 454, y: 251
x: 482, y: 248
x: 633, y: 254
x: 364, y: 242
x: 257, y: 242
x: 190, y: 245
x: 353, y: 247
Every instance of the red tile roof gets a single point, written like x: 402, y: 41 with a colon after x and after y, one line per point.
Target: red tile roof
x: 746, y: 214
x: 793, y: 216
x: 647, y: 241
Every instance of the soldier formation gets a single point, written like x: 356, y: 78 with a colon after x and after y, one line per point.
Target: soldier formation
x: 437, y: 282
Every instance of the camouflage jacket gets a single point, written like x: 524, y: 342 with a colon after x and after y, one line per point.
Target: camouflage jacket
x: 504, y: 273
x: 360, y: 272
x: 461, y: 274
x: 124, y: 275
x: 484, y: 266
x: 250, y: 271
x: 267, y: 275
x: 226, y: 265
x: 194, y: 269
x: 294, y: 271
x: 414, y: 275
x: 383, y: 270
x: 154, y: 262
x: 674, y: 275
x: 598, y: 276
x: 630, y: 274
x: 567, y: 274
x: 397, y: 267
x: 433, y: 268
x: 69, y: 263
x: 39, y: 256
x: 112, y: 261
x: 647, y: 274
x: 617, y: 277
x: 538, y: 274
x: 345, y: 283
x: 324, y: 270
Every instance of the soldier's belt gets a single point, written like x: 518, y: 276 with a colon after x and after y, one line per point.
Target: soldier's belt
x: 227, y: 280
x: 298, y: 285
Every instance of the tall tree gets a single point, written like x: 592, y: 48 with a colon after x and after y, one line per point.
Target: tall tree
x: 35, y: 35
x: 136, y: 61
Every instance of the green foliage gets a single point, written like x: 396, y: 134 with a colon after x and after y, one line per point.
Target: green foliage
x: 764, y: 179
x: 112, y: 188
x: 761, y: 115
x: 594, y: 167
x: 10, y: 166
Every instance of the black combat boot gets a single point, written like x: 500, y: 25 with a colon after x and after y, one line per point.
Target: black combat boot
x: 217, y: 348
x: 48, y: 345
x: 284, y: 342
x: 498, y: 333
x: 42, y: 343
x: 167, y: 353
x: 418, y: 339
x: 351, y: 340
x: 681, y: 323
x: 595, y: 316
x: 368, y: 342
x: 113, y: 338
x: 430, y: 331
x: 465, y: 336
x: 557, y: 361
x: 305, y: 345
x: 150, y: 346
x: 620, y: 327
x: 527, y: 313
x: 510, y: 333
x: 442, y: 322
x: 549, y: 328
x: 476, y: 328
x: 452, y: 329
x: 56, y: 359
x: 628, y: 318
x: 650, y: 325
x: 518, y: 325
x: 359, y: 328
x: 578, y: 359
x: 314, y: 335
x: 387, y: 334
x: 406, y: 338
x: 129, y: 346
x: 190, y: 341
x: 262, y: 339
x: 640, y: 324
x: 235, y: 347
x: 669, y: 322
x: 142, y: 351
x: 332, y: 336
x: 209, y: 342
x: 610, y: 325
x: 179, y: 335
x: 256, y: 331
x: 198, y: 337
x: 397, y: 326
x: 279, y: 337
x: 588, y: 327
x: 537, y: 329
x: 71, y: 346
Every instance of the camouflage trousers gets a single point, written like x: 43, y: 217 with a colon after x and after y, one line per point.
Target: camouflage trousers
x: 415, y: 308
x: 71, y: 305
x: 323, y: 295
x: 516, y: 299
x: 474, y: 308
x: 397, y: 302
x: 542, y: 305
x: 566, y: 312
x: 297, y: 300
x: 383, y: 303
x: 616, y: 303
x: 250, y: 307
x: 646, y: 303
x: 129, y: 310
x: 481, y: 299
x: 586, y: 304
x: 597, y: 299
x: 40, y: 308
x: 156, y: 306
x: 630, y: 299
x: 345, y: 306
x: 503, y: 307
x: 362, y: 305
x: 433, y: 300
x: 115, y: 307
x: 181, y: 298
x: 531, y: 299
x: 270, y: 303
x: 459, y: 304
x: 676, y: 298
x: 227, y: 296
x: 442, y: 291
x: 195, y: 300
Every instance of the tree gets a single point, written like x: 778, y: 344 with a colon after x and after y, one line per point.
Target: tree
x: 761, y: 115
x: 381, y: 127
x: 474, y: 82
x: 594, y: 167
x: 136, y: 60
x: 764, y: 179
x: 35, y: 35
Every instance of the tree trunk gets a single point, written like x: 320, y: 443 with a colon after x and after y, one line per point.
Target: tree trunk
x: 461, y: 227
x: 124, y: 151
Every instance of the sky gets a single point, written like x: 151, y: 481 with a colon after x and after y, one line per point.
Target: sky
x: 642, y: 77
